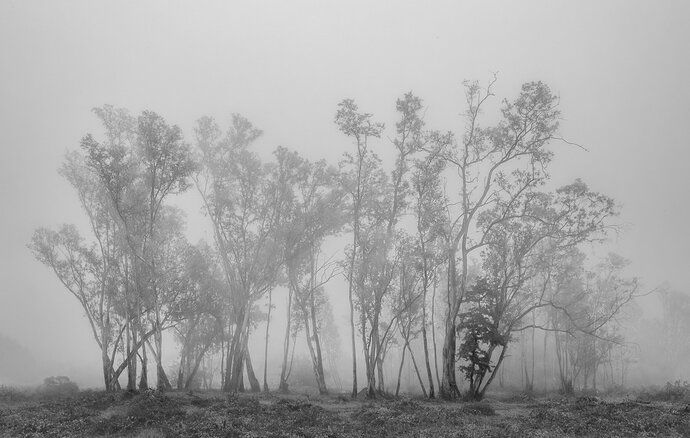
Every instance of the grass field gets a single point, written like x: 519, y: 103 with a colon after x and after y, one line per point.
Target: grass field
x: 215, y: 414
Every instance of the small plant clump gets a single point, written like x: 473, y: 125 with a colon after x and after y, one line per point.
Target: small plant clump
x: 58, y: 386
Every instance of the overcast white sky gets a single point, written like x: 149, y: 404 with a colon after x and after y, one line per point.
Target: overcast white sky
x: 620, y: 67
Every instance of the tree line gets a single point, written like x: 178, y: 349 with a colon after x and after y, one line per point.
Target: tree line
x: 458, y: 236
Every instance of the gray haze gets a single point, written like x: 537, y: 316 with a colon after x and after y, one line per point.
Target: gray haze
x: 620, y: 67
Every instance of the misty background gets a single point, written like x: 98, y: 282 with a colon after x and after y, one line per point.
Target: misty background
x: 620, y: 67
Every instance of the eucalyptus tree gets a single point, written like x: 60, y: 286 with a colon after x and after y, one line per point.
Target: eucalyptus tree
x: 360, y: 178
x: 568, y: 290
x: 122, y: 183
x: 428, y: 208
x: 199, y: 311
x: 409, y: 301
x: 607, y: 291
x: 173, y: 288
x: 166, y: 165
x: 521, y: 246
x: 114, y: 165
x: 671, y: 331
x: 376, y: 212
x: 244, y: 198
x: 100, y: 295
x: 489, y: 164
x: 85, y: 271
x: 140, y: 163
x: 314, y: 213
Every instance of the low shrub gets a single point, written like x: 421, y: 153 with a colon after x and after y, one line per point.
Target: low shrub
x: 477, y: 408
x: 11, y: 394
x: 58, y: 386
x: 672, y: 391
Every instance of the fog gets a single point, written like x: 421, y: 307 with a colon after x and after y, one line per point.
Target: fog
x: 619, y: 68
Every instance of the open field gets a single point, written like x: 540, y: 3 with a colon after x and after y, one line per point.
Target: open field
x: 214, y: 414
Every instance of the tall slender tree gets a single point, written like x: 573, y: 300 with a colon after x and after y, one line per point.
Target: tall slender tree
x: 244, y: 199
x: 491, y: 164
x: 359, y: 177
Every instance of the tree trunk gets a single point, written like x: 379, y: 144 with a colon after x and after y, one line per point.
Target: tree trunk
x: 107, y: 369
x: 268, y: 323
x: 352, y: 317
x: 544, y: 362
x: 253, y: 381
x: 180, y: 371
x: 162, y: 382
x: 222, y: 361
x: 402, y: 362
x: 416, y: 370
x: 197, y: 362
x: 131, y: 359
x: 379, y: 369
x: 433, y: 332
x: 144, y: 379
x: 371, y: 380
x: 314, y: 347
x: 240, y: 374
x: 370, y: 366
x: 234, y: 362
x: 283, y: 386
x: 430, y: 377
x: 449, y: 386
x: 321, y: 376
x: 493, y: 373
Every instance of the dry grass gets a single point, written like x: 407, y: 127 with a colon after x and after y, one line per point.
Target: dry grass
x: 214, y: 414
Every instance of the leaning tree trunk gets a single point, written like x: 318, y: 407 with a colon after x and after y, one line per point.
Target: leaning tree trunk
x: 321, y: 376
x: 197, y: 363
x: 314, y: 350
x: 180, y: 370
x: 400, y: 369
x: 163, y: 383
x: 416, y: 370
x: 429, y: 375
x: 253, y: 381
x: 493, y: 373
